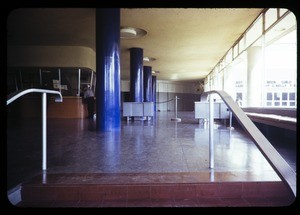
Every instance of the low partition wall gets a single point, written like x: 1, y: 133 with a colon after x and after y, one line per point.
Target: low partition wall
x: 31, y: 107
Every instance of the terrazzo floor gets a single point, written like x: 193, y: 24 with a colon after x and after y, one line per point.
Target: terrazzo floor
x: 157, y: 146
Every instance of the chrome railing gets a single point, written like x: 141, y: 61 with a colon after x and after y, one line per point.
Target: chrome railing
x: 280, y: 166
x: 58, y: 98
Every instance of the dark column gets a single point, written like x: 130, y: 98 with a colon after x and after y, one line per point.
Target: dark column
x: 108, y: 69
x: 147, y: 84
x: 136, y: 75
x: 154, y: 92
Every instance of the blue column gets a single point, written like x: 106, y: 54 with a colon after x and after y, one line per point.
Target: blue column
x: 147, y: 84
x: 154, y: 92
x: 136, y: 75
x: 108, y: 102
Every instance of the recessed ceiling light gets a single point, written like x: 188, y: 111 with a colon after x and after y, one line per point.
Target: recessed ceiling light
x: 148, y: 59
x: 155, y: 72
x: 130, y: 32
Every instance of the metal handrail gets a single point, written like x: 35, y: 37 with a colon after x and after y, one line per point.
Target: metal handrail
x: 58, y: 98
x: 280, y: 166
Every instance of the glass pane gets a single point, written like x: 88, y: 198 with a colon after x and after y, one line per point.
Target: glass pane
x: 50, y: 79
x: 281, y: 67
x: 85, y: 77
x: 269, y: 96
x: 284, y: 96
x: 281, y: 28
x: 239, y: 96
x: 292, y: 96
x: 69, y: 82
x: 284, y: 103
x: 254, y: 33
x: 269, y: 103
x: 282, y: 11
x: 271, y: 17
x: 30, y: 78
x: 242, y: 45
x: 235, y: 77
x: 228, y: 57
x: 276, y: 96
x: 235, y: 51
x: 12, y: 81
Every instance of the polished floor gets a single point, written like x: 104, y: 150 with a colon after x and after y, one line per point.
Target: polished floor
x: 157, y: 146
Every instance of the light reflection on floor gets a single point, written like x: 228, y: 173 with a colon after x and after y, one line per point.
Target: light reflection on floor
x: 156, y: 146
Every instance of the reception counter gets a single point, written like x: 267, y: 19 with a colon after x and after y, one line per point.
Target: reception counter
x: 30, y: 106
x: 71, y: 107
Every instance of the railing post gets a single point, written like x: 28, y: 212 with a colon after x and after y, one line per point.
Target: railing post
x: 44, y: 116
x: 44, y: 128
x: 281, y: 167
x: 230, y: 119
x: 176, y: 106
x: 176, y: 118
x: 79, y: 74
x: 211, y: 135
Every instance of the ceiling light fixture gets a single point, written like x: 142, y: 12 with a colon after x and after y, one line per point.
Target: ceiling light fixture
x: 130, y: 32
x: 155, y: 72
x: 148, y: 59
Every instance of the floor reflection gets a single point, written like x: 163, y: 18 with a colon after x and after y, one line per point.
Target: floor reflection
x: 156, y: 146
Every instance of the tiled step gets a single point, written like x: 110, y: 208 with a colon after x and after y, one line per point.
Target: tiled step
x: 150, y: 190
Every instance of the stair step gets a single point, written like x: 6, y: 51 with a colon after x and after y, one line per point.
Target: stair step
x: 149, y: 189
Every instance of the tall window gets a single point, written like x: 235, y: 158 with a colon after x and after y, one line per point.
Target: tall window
x: 275, y: 31
x: 281, y: 72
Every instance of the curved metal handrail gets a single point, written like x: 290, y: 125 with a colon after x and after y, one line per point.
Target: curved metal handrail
x: 34, y: 90
x: 281, y: 167
x: 58, y: 98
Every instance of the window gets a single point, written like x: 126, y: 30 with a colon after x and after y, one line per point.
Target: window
x: 292, y: 96
x: 284, y: 96
x: 254, y: 32
x: 278, y: 68
x: 65, y: 80
x: 269, y: 96
x: 277, y: 96
x: 280, y: 73
x: 279, y: 99
x: 30, y: 78
x: 271, y: 17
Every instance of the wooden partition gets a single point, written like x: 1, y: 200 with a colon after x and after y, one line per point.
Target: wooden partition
x: 71, y: 107
x: 30, y: 107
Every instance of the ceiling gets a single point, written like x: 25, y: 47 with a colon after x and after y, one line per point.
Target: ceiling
x: 186, y: 43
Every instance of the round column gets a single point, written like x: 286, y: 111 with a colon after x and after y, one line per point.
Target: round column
x: 136, y: 75
x: 108, y: 103
x: 147, y: 84
x: 154, y: 92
